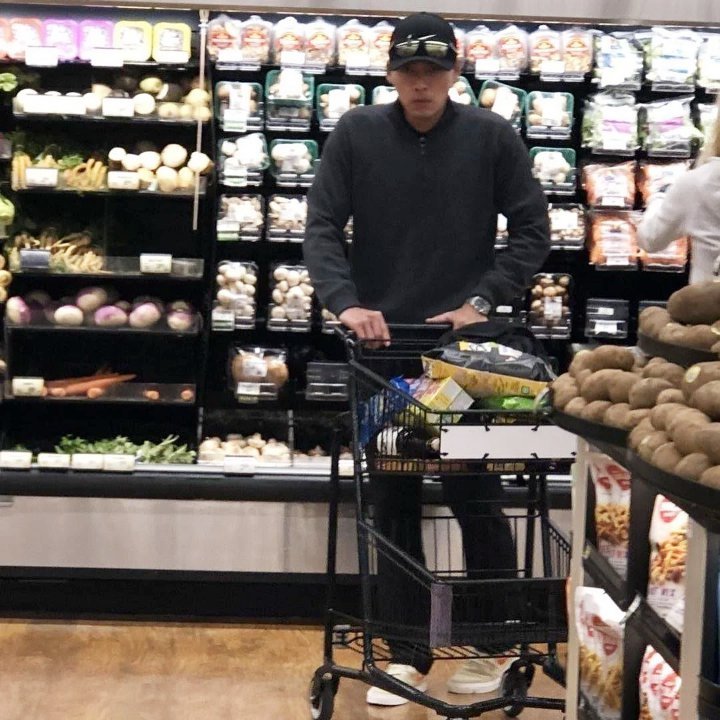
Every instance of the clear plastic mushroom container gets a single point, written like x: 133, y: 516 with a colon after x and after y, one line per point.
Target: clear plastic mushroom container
x: 291, y: 299
x: 243, y: 160
x: 293, y: 162
x: 240, y: 217
x: 239, y: 106
x: 257, y: 373
x: 288, y: 100
x: 286, y: 218
x: 234, y: 305
x: 549, y: 313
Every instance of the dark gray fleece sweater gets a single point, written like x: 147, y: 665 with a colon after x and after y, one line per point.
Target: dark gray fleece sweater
x: 424, y: 211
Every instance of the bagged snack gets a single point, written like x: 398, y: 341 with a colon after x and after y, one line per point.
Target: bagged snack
x: 612, y: 510
x: 545, y: 45
x: 659, y: 688
x: 609, y: 637
x: 610, y: 185
x: 668, y: 554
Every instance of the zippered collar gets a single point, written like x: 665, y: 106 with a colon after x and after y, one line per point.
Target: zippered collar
x: 398, y: 116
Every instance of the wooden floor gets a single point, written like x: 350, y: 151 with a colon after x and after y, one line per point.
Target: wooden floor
x: 115, y: 671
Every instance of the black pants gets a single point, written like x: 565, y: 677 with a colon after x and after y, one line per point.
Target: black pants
x: 487, y: 545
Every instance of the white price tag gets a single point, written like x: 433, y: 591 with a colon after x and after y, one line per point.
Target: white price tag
x: 223, y: 319
x: 615, y: 143
x: 53, y: 105
x: 610, y: 76
x: 248, y: 389
x: 612, y: 201
x: 357, y: 62
x: 487, y: 67
x: 605, y: 311
x: 53, y: 461
x: 231, y: 227
x: 118, y: 107
x: 238, y: 465
x: 15, y: 459
x: 41, y: 177
x: 616, y: 260
x: 118, y: 462
x: 41, y: 56
x: 552, y: 67
x: 172, y: 57
x: 230, y: 55
x: 504, y: 309
x: 87, y: 461
x: 123, y: 180
x: 292, y: 58
x: 27, y: 386
x: 235, y: 120
x: 156, y: 263
x: 106, y: 57
x: 606, y: 326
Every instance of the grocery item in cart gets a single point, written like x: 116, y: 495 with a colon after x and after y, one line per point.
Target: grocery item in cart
x: 611, y: 186
x: 668, y: 556
x: 612, y: 510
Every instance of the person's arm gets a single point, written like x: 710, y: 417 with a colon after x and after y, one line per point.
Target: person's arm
x: 665, y: 217
x: 520, y: 198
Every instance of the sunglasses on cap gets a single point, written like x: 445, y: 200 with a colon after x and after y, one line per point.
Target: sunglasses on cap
x: 431, y: 48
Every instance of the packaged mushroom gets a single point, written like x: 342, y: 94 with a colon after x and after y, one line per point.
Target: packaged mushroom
x: 291, y: 298
x: 549, y: 114
x: 504, y: 100
x: 215, y: 450
x: 545, y: 47
x: 613, y: 240
x: 549, y: 310
x: 511, y: 48
x: 289, y: 99
x: 462, y: 93
x: 353, y: 45
x: 257, y: 372
x: 235, y: 298
x: 379, y: 37
x: 567, y: 226
x: 239, y: 106
x: 289, y: 37
x: 479, y: 47
x: 240, y: 218
x: 333, y: 101
x: 242, y: 160
x: 293, y: 162
x: 554, y: 169
x: 384, y: 94
x: 286, y: 217
x: 319, y: 43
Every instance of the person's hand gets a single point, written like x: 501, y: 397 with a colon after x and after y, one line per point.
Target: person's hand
x: 465, y: 315
x: 366, y: 324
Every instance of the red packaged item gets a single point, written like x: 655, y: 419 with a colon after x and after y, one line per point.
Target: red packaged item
x: 654, y: 178
x: 611, y: 186
x: 613, y: 240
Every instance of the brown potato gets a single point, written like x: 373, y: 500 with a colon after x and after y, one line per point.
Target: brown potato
x: 666, y: 457
x: 617, y: 416
x: 651, y: 443
x: 582, y: 376
x: 639, y: 432
x: 696, y: 304
x: 709, y: 441
x: 644, y: 393
x: 564, y: 394
x: 661, y: 413
x: 582, y: 360
x: 597, y: 386
x: 595, y: 410
x: 673, y: 333
x: 575, y: 406
x: 620, y: 386
x: 693, y: 466
x: 699, y: 337
x: 652, y: 320
x: 716, y: 348
x: 613, y: 357
x: 666, y: 371
x: 671, y: 396
x: 711, y: 477
x: 682, y: 418
x: 707, y: 399
x: 697, y: 375
x: 685, y: 438
x: 637, y: 416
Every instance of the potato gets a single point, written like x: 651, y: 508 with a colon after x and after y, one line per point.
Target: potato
x: 613, y: 357
x: 639, y: 432
x: 716, y: 348
x: 672, y: 333
x: 637, y: 416
x: 708, y: 441
x: 707, y: 399
x: 597, y: 386
x: 666, y: 457
x: 666, y: 371
x: 693, y: 466
x: 699, y: 337
x: 644, y: 393
x: 661, y: 413
x: 696, y: 304
x: 671, y: 396
x: 620, y: 386
x: 652, y: 320
x: 575, y: 406
x: 651, y: 443
x: 583, y: 360
x: 582, y: 376
x: 595, y: 410
x: 617, y: 416
x: 682, y: 418
x: 711, y: 477
x: 697, y: 375
x: 564, y: 394
x: 685, y: 438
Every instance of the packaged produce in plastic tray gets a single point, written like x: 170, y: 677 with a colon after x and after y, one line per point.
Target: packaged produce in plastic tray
x: 239, y: 106
x: 293, y: 162
x: 610, y: 123
x: 288, y: 99
x: 243, y: 451
x: 240, y: 217
x: 618, y: 61
x: 379, y: 37
x: 286, y: 217
x: 231, y: 41
x: 257, y: 373
x: 288, y: 40
x: 462, y: 93
x: 134, y: 38
x: 657, y: 177
x: 555, y: 169
x: 672, y: 259
x: 672, y: 58
x: 479, y: 47
x: 353, y: 45
x: 291, y: 294
x: 549, y: 114
x: 505, y: 100
x: 333, y: 101
x: 567, y: 226
x: 612, y: 241
x: 172, y: 42
x: 327, y: 381
x: 319, y: 44
x: 549, y: 305
x: 62, y: 34
x: 707, y: 115
x: 709, y: 62
x: 384, y: 94
x: 235, y: 296
x: 606, y: 318
x: 577, y: 46
x: 511, y: 50
x: 610, y: 186
x: 243, y: 160
x: 669, y: 130
x: 545, y: 47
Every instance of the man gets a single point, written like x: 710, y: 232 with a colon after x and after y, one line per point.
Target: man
x: 424, y: 180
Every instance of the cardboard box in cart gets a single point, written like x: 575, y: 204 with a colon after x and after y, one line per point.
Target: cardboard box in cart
x: 444, y: 395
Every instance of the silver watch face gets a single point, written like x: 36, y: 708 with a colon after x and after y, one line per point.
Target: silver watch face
x: 481, y: 305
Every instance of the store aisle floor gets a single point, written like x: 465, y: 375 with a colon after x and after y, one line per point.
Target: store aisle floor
x: 116, y: 671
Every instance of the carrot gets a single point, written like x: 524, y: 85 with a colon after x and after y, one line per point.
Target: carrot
x: 71, y: 381
x: 81, y: 388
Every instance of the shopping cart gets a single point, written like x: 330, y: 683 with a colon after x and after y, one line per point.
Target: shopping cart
x: 512, y: 612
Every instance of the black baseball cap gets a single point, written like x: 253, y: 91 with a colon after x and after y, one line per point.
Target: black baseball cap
x: 421, y: 27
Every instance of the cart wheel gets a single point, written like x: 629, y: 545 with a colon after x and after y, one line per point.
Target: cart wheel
x: 322, y: 697
x: 515, y: 685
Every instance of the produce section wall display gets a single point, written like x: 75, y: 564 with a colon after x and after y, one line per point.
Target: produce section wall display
x: 153, y: 206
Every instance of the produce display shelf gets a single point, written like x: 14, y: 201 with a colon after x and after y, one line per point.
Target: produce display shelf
x: 674, y: 353
x: 709, y: 701
x: 41, y: 327
x: 127, y: 393
x: 102, y: 120
x: 110, y: 275
x: 145, y: 65
x: 176, y: 195
x: 603, y: 573
x: 653, y: 630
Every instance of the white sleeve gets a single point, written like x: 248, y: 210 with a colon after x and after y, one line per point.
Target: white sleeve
x: 665, y: 218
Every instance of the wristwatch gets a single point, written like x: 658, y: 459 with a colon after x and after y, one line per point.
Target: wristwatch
x: 479, y: 304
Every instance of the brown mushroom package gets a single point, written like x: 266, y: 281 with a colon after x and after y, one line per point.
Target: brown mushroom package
x: 668, y: 555
x: 257, y: 371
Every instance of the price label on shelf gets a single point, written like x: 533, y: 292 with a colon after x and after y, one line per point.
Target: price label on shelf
x: 229, y: 227
x: 34, y: 259
x: 123, y: 180
x: 605, y: 311
x: 156, y: 263
x: 118, y: 107
x: 116, y: 462
x: 172, y: 57
x: 357, y: 63
x: 486, y: 67
x: 608, y: 327
x: 617, y: 260
x: 292, y: 58
x: 612, y: 201
x: 87, y: 461
x: 552, y: 69
x: 41, y: 56
x: 238, y: 465
x: 223, y: 319
x: 41, y: 177
x: 235, y: 120
x: 108, y: 57
x: 15, y: 459
x: 248, y: 389
x: 27, y: 386
x: 53, y: 461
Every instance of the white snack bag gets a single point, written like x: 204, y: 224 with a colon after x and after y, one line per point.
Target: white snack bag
x: 668, y: 556
x: 609, y: 640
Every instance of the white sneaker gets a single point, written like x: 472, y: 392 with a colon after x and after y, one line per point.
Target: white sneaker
x: 478, y: 675
x: 405, y: 673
